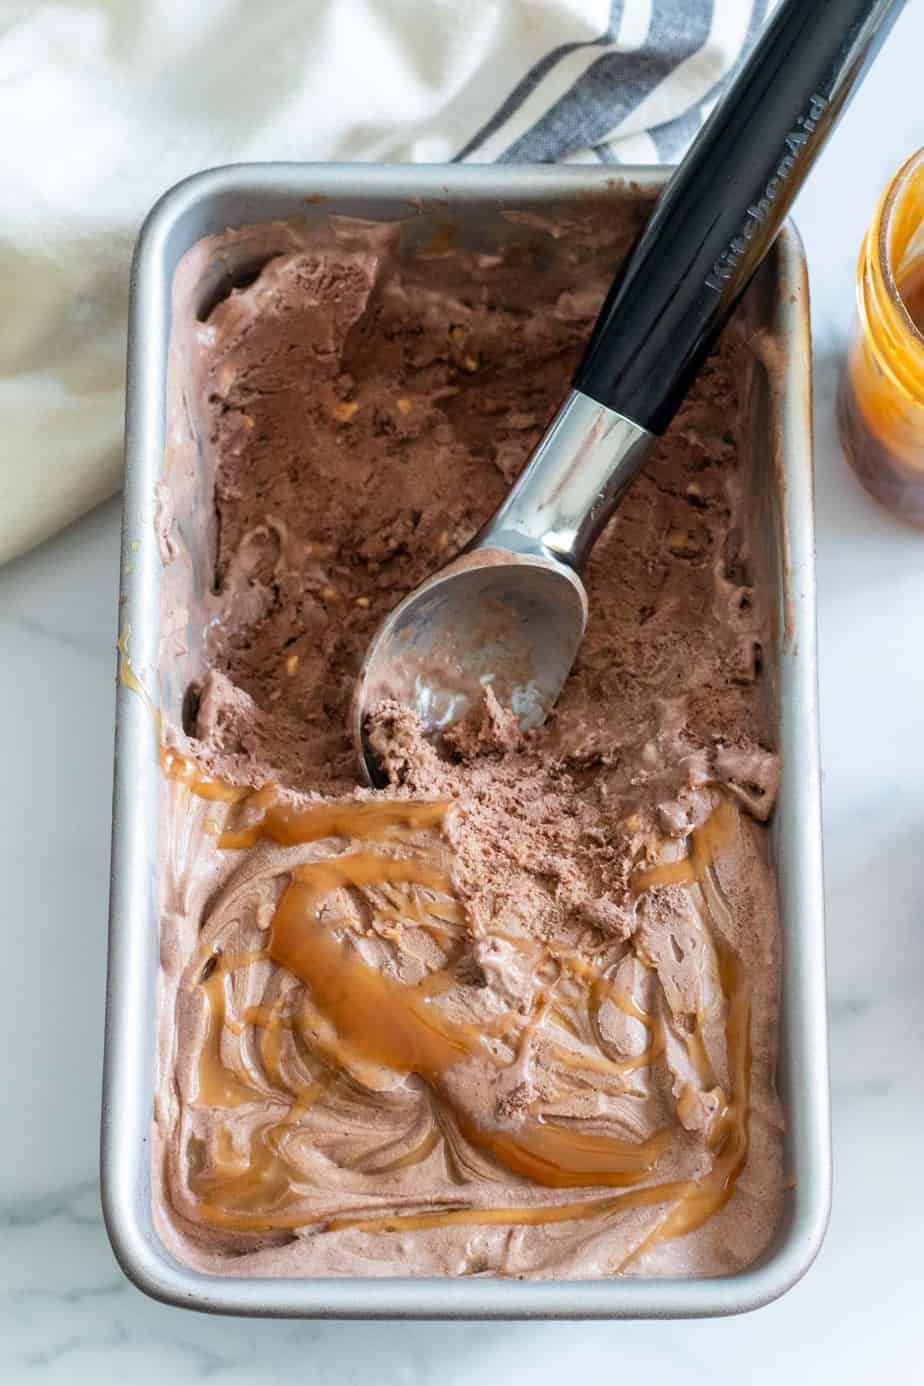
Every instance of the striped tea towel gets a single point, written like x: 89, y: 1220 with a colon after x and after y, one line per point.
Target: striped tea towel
x: 106, y: 103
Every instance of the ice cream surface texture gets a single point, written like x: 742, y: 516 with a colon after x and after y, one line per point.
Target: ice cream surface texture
x: 517, y: 1013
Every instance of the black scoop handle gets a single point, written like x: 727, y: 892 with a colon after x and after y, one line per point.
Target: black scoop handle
x: 719, y: 214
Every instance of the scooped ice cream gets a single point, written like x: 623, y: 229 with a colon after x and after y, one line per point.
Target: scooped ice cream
x: 517, y: 1013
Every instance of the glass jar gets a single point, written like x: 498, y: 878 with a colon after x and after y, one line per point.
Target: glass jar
x: 881, y: 396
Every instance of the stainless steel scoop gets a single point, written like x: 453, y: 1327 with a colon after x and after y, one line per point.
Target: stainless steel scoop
x: 510, y: 612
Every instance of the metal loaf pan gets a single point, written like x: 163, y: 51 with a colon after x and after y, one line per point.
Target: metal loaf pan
x: 779, y: 395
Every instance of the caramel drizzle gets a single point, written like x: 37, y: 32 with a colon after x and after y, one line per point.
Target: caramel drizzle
x: 236, y: 1183
x: 386, y: 1023
x: 381, y: 1022
x: 694, y: 1201
x: 371, y: 820
x: 182, y: 770
x: 708, y: 841
x: 218, y: 1086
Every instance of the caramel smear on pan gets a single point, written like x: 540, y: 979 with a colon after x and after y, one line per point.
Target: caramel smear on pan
x: 373, y: 1021
x: 129, y: 679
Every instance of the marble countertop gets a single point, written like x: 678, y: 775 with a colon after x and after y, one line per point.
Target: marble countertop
x: 67, y: 1315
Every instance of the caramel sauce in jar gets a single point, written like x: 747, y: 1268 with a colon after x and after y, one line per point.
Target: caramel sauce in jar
x: 881, y: 398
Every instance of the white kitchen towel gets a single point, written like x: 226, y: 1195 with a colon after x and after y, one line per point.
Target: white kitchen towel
x: 106, y: 103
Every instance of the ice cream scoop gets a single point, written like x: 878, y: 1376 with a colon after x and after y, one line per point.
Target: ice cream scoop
x: 509, y: 613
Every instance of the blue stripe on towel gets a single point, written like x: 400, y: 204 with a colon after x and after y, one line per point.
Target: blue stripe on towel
x: 615, y: 84
x: 527, y: 84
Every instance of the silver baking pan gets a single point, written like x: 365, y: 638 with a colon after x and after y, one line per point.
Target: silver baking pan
x: 779, y: 426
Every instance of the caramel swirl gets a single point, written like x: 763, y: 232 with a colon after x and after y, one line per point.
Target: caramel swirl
x: 717, y: 832
x: 386, y: 1023
x: 357, y: 1018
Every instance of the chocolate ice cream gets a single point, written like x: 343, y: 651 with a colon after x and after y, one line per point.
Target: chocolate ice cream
x: 515, y: 1014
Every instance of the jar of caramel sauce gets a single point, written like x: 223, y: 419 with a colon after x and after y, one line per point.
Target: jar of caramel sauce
x: 881, y: 396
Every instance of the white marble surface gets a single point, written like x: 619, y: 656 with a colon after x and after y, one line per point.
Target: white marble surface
x: 66, y: 1313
